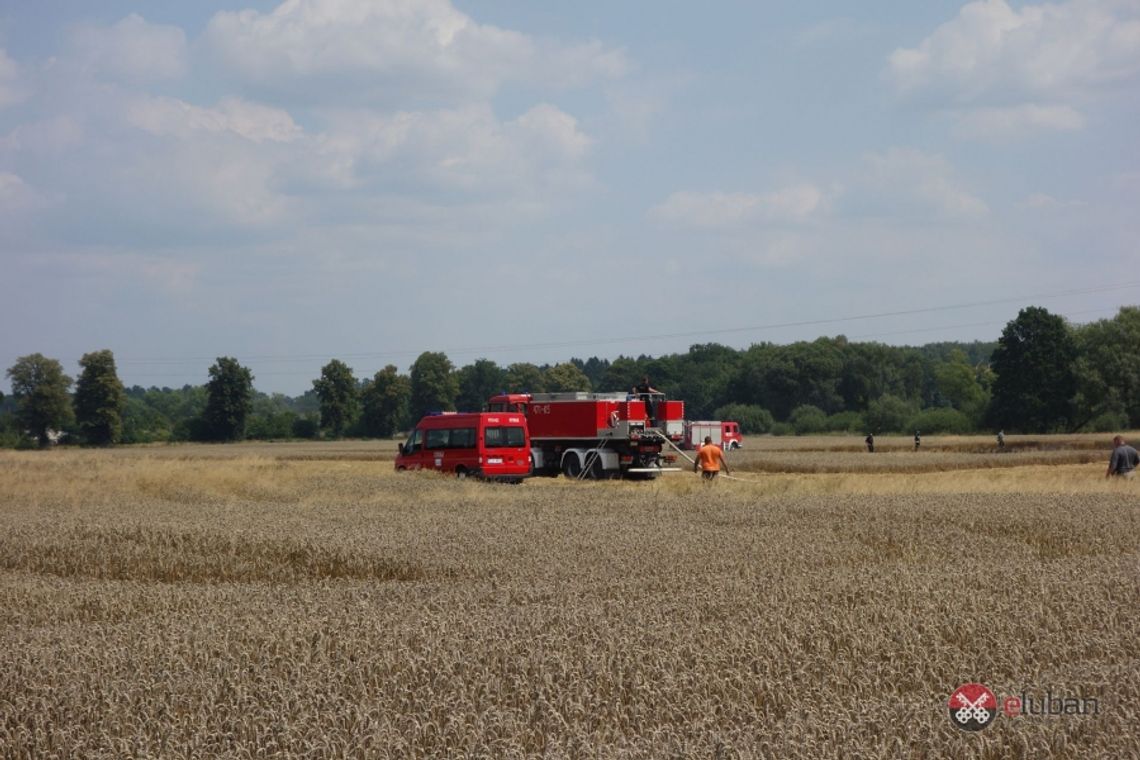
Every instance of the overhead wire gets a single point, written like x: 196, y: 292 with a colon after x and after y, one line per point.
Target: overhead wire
x: 136, y: 364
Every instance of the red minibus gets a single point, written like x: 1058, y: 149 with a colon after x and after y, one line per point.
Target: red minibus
x: 490, y: 445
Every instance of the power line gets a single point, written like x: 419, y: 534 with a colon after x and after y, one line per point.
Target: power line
x: 939, y: 328
x: 644, y: 338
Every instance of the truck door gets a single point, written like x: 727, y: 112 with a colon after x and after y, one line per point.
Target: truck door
x: 412, y: 454
x: 435, y: 448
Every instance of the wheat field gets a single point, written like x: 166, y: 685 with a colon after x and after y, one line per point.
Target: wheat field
x: 305, y: 601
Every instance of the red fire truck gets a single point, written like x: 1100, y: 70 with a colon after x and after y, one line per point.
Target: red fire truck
x: 598, y: 435
x: 724, y: 433
x: 490, y: 446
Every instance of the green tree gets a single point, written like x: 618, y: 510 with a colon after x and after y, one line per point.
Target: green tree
x: 846, y: 422
x: 958, y: 383
x: 566, y: 377
x: 594, y: 368
x: 889, y: 414
x: 434, y: 384
x: 869, y: 371
x: 1108, y: 371
x: 622, y: 374
x: 524, y: 377
x: 942, y: 420
x: 704, y: 379
x: 271, y: 417
x: 780, y: 378
x: 753, y: 419
x: 385, y: 400
x: 339, y: 398
x: 41, y: 391
x: 99, y: 399
x: 1035, y: 381
x: 807, y: 419
x: 164, y: 414
x: 478, y: 382
x: 229, y: 400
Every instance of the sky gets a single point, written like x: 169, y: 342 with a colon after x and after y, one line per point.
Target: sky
x: 292, y: 182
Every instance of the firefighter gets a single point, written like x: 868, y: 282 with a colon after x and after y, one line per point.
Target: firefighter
x: 870, y: 441
x: 710, y: 458
x: 644, y: 391
x: 1124, y: 460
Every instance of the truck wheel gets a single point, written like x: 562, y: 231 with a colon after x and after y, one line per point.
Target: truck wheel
x: 461, y: 473
x: 571, y: 466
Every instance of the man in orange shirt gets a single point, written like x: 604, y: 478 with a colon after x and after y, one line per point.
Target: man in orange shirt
x: 710, y: 459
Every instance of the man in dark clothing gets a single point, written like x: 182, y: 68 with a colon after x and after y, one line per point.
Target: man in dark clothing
x: 644, y: 391
x: 1123, y: 461
x: 917, y: 440
x: 870, y: 441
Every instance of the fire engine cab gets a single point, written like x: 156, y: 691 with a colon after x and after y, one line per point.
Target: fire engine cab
x: 724, y: 433
x: 598, y: 435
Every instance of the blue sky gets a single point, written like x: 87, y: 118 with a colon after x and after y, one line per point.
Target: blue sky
x: 288, y: 183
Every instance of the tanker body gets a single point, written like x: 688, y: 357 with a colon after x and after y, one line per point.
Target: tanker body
x: 598, y: 435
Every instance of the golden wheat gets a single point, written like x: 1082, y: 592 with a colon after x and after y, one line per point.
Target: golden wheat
x: 298, y: 601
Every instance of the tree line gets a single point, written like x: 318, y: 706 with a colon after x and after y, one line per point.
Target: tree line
x: 1042, y: 375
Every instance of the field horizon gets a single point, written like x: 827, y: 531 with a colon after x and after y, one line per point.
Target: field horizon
x: 304, y: 600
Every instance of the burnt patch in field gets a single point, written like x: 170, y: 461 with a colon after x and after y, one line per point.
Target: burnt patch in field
x: 149, y: 554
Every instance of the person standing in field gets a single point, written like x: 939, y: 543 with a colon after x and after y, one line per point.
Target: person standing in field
x: 710, y: 458
x: 1123, y: 461
x: 1001, y: 439
x: 870, y: 441
x: 917, y: 440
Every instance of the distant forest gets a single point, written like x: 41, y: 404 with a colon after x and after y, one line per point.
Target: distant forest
x: 1042, y: 375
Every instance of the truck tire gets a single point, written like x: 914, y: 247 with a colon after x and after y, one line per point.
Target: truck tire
x: 571, y: 466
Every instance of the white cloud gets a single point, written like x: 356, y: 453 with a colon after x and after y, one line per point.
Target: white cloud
x: 551, y: 132
x: 49, y: 137
x: 904, y: 177
x: 794, y: 204
x: 252, y: 121
x: 994, y: 51
x: 17, y: 197
x: 833, y: 31
x: 466, y: 149
x: 12, y: 188
x: 997, y: 124
x: 397, y: 48
x: 207, y: 184
x: 132, y: 50
x: 1046, y: 202
x: 13, y: 88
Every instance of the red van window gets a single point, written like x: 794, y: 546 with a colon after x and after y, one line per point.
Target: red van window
x: 503, y: 437
x: 450, y: 438
x: 462, y: 438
